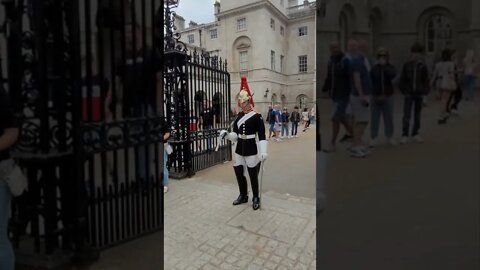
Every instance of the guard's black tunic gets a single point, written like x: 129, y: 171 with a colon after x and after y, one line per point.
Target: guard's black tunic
x: 252, y: 126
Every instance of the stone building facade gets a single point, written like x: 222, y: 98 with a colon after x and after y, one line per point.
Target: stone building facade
x: 272, y: 42
x: 396, y: 25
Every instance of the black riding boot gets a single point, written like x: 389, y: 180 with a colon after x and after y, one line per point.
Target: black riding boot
x: 242, y: 185
x: 253, y: 173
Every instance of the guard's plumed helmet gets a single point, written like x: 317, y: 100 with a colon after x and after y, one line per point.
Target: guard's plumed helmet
x: 245, y: 94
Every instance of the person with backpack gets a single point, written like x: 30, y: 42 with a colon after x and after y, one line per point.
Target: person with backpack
x: 414, y: 85
x: 295, y: 119
x: 272, y: 116
x: 337, y: 84
x: 267, y: 119
x: 285, y: 119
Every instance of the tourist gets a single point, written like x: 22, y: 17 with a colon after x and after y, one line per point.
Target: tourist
x: 8, y: 136
x: 414, y: 85
x: 207, y: 121
x: 295, y: 119
x: 382, y: 75
x: 305, y: 118
x: 271, y: 121
x: 360, y: 99
x: 337, y: 84
x: 445, y: 70
x: 456, y: 96
x: 470, y: 68
x: 285, y: 117
x: 278, y: 122
x: 166, y: 151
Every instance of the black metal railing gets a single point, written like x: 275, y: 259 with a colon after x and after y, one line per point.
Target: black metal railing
x: 91, y: 139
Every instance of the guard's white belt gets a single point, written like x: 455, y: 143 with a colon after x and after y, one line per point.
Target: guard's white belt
x: 245, y: 137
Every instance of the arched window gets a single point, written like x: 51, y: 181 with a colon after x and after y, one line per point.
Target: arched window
x: 438, y: 33
x: 302, y: 101
x: 347, y: 24
x: 274, y: 99
x: 374, y: 27
x: 343, y: 30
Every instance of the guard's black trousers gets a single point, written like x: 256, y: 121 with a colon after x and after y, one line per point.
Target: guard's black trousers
x: 242, y: 180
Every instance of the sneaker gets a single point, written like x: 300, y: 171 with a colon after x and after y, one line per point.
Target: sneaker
x: 365, y: 150
x: 296, y: 136
x: 404, y: 140
x: 392, y: 142
x: 373, y: 142
x: 165, y: 189
x: 418, y: 139
x: 442, y: 121
x: 357, y: 153
x: 454, y: 112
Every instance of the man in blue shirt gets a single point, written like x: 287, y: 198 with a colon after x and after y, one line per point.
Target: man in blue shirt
x: 360, y: 98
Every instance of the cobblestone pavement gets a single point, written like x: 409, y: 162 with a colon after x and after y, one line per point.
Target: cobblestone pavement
x: 412, y: 206
x: 203, y: 230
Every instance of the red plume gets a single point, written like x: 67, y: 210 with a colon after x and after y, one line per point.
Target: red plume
x: 244, y: 84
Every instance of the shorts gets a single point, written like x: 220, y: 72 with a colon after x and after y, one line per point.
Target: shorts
x: 272, y: 126
x: 360, y: 112
x: 339, y: 110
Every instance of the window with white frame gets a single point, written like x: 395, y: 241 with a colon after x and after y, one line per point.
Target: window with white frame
x: 282, y: 61
x: 272, y: 24
x: 282, y: 31
x: 213, y: 34
x: 302, y: 64
x: 272, y: 60
x: 302, y: 31
x: 243, y: 61
x: 191, y: 39
x: 241, y: 24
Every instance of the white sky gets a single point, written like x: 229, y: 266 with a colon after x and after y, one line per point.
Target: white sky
x: 199, y: 11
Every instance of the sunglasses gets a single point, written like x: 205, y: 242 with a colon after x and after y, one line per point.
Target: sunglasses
x: 382, y: 55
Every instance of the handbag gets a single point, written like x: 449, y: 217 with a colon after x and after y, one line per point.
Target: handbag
x: 13, y: 175
x: 168, y: 148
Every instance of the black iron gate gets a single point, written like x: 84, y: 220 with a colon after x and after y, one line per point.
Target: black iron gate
x: 197, y: 96
x: 85, y: 78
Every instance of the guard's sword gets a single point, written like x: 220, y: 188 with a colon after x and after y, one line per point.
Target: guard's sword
x: 260, y: 179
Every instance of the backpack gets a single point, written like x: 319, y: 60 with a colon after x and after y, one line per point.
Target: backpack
x: 272, y: 116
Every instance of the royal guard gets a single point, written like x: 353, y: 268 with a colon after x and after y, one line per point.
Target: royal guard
x: 247, y: 127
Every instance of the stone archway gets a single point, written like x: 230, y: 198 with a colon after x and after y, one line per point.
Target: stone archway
x: 375, y: 29
x: 346, y: 24
x: 302, y: 101
x: 274, y: 99
x: 436, y: 31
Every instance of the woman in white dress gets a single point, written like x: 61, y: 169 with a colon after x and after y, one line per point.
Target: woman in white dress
x: 445, y: 73
x: 305, y: 118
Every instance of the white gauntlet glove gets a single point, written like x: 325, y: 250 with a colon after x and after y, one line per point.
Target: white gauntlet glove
x: 263, y: 149
x: 232, y: 136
